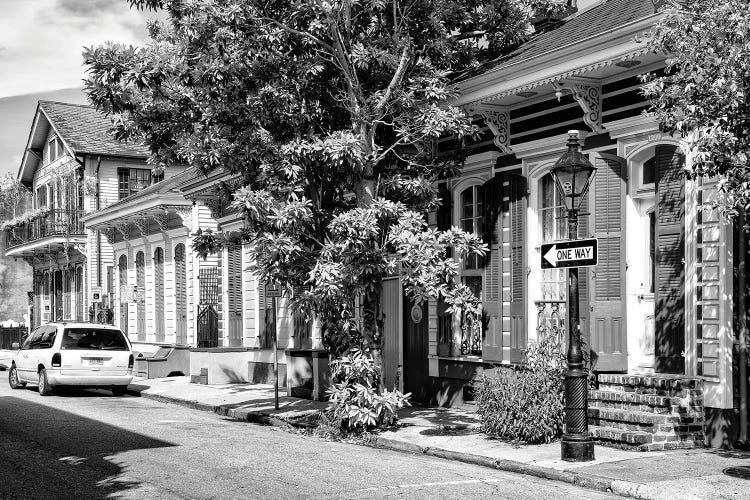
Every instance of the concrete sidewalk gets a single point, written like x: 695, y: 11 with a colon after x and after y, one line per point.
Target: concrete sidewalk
x: 453, y: 434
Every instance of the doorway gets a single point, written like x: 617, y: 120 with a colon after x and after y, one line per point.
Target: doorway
x: 416, y: 368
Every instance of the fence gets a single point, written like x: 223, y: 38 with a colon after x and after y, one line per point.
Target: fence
x: 10, y: 335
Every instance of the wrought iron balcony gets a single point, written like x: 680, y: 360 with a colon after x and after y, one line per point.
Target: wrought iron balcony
x: 56, y: 222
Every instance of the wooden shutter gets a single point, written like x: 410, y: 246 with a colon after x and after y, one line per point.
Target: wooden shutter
x: 514, y: 208
x: 234, y: 295
x: 607, y: 311
x: 670, y: 261
x: 492, y: 343
x: 180, y: 294
x: 445, y: 322
x: 159, y: 294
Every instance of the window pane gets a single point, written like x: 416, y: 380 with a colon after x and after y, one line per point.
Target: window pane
x: 648, y: 176
x: 94, y: 338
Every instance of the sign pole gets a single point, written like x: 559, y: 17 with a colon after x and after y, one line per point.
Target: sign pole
x: 275, y: 356
x: 577, y: 444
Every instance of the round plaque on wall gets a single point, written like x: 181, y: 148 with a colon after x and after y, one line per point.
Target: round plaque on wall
x: 416, y: 313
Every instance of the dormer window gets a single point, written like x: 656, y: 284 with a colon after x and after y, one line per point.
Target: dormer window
x: 54, y: 149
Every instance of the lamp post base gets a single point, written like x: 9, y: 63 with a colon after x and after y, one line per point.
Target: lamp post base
x: 577, y: 448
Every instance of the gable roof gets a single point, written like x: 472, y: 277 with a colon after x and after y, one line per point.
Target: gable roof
x: 82, y: 129
x: 607, y: 16
x: 86, y: 130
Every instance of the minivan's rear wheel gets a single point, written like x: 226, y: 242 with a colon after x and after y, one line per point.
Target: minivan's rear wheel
x: 13, y: 380
x: 119, y: 390
x: 44, y: 388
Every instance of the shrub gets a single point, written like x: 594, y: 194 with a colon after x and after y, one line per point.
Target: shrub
x: 353, y: 397
x: 526, y: 402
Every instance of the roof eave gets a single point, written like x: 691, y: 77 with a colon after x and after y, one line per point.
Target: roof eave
x: 522, y: 73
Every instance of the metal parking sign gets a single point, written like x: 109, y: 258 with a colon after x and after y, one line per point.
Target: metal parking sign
x: 574, y: 253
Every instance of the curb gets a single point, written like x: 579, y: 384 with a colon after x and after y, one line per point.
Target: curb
x: 240, y: 414
x: 581, y: 479
x: 584, y: 480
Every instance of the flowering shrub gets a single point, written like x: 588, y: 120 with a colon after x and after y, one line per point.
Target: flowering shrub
x: 353, y: 397
x: 526, y: 402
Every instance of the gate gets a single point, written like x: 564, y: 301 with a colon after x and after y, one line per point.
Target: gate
x: 208, y: 318
x: 208, y: 327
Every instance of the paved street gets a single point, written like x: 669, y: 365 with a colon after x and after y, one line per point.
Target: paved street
x: 89, y: 444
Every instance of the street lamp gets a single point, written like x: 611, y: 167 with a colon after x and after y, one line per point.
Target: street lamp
x: 572, y: 175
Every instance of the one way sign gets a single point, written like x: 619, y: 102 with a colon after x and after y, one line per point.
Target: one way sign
x: 576, y: 253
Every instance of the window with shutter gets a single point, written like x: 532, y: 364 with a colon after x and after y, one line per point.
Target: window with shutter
x: 670, y: 264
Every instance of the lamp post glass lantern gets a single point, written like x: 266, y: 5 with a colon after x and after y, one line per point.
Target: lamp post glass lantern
x: 572, y: 174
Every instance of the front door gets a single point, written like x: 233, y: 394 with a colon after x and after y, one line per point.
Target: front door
x: 416, y: 374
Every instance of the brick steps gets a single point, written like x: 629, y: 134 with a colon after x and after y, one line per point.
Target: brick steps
x: 659, y: 412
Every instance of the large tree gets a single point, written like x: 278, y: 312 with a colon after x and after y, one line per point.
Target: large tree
x: 330, y: 111
x: 703, y: 94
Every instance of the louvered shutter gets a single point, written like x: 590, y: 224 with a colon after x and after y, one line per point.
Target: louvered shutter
x: 492, y: 343
x: 514, y: 205
x: 607, y: 312
x: 670, y: 261
x: 234, y: 295
x: 445, y: 322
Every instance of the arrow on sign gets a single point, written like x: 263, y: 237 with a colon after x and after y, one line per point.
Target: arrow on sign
x: 551, y: 256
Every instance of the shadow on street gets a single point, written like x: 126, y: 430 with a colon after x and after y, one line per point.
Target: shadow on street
x: 49, y: 453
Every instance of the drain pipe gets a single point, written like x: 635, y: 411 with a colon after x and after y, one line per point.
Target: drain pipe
x: 741, y: 304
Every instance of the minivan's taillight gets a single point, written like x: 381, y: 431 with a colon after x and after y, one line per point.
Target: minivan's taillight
x: 130, y: 361
x: 56, y: 360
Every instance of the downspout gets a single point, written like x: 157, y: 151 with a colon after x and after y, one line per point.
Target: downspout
x: 742, y: 323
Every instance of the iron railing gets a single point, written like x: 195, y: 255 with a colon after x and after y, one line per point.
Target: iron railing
x: 57, y: 222
x: 550, y: 319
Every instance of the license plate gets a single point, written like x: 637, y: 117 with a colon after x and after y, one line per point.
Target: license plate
x: 96, y: 361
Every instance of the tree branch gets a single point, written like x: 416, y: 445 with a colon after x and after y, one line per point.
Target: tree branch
x: 395, y: 81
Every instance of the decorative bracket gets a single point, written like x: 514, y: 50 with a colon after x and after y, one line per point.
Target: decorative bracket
x: 186, y: 214
x: 497, y: 119
x: 109, y: 233
x: 588, y: 95
x: 142, y: 224
x: 80, y: 247
x: 214, y: 204
x: 124, y: 231
x: 162, y: 219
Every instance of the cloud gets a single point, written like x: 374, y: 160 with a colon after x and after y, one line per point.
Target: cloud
x: 44, y: 40
x: 87, y: 8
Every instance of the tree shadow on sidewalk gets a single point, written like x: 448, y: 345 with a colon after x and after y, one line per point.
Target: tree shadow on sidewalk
x: 50, y: 453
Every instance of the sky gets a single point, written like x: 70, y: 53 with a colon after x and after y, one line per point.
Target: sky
x: 41, y: 42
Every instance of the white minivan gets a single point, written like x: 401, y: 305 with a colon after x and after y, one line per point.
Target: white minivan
x: 80, y: 354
